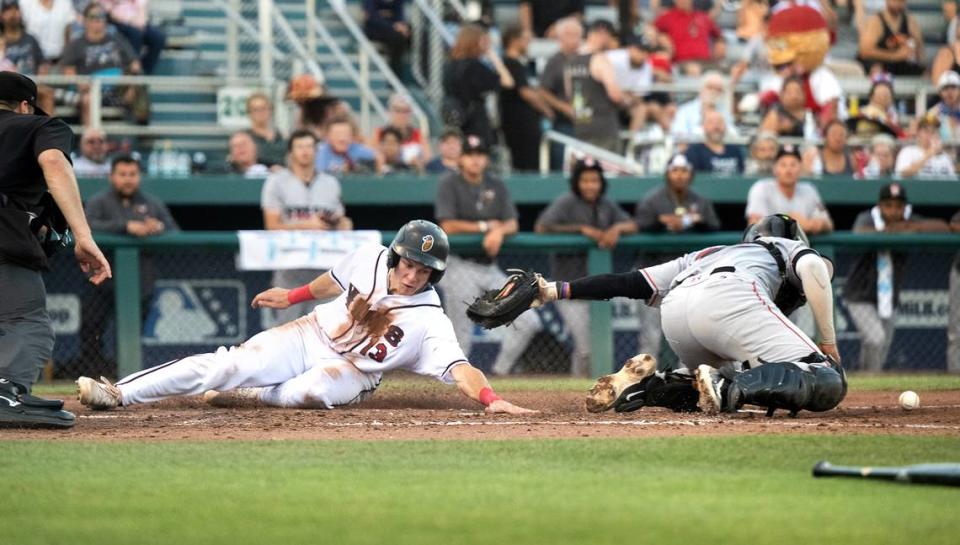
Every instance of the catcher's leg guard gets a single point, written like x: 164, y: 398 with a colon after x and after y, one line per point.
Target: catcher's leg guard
x: 783, y: 385
x: 673, y: 390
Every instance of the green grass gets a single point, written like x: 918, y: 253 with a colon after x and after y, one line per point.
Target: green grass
x: 919, y: 382
x: 682, y: 490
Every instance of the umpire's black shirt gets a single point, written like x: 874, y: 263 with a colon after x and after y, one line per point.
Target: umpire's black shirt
x: 22, y: 139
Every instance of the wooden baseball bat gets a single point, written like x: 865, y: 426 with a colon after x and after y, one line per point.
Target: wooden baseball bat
x: 945, y: 474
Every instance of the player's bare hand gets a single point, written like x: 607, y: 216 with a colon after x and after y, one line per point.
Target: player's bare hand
x: 91, y: 259
x: 272, y: 298
x: 830, y: 350
x: 501, y: 406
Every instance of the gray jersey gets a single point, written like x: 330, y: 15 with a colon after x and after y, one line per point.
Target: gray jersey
x: 748, y: 259
x: 297, y: 201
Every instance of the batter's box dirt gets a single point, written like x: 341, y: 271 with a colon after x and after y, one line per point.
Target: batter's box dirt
x: 442, y: 415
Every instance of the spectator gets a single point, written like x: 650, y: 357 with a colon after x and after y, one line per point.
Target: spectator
x: 892, y: 41
x: 672, y: 208
x: 47, y: 21
x: 451, y: 145
x: 787, y: 195
x: 787, y: 116
x: 554, y: 86
x: 713, y: 155
x: 391, y: 153
x: 946, y: 60
x: 688, y: 122
x: 832, y: 159
x: 243, y: 157
x: 521, y: 106
x: 595, y: 98
x: 695, y: 37
x: 882, y: 158
x: 98, y: 53
x: 711, y: 8
x: 474, y: 201
x: 947, y: 111
x: 925, y: 159
x: 584, y: 210
x: 122, y: 209
x: 416, y: 148
x: 880, y: 114
x: 384, y: 23
x: 92, y: 162
x: 467, y: 80
x: 23, y: 51
x: 636, y: 69
x: 131, y: 17
x: 271, y: 147
x: 864, y: 10
x: 301, y: 197
x: 342, y: 154
x: 540, y: 16
x: 763, y: 150
x: 953, y: 322
x: 601, y: 36
x: 873, y: 286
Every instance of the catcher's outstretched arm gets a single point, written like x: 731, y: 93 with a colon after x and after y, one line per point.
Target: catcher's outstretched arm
x: 632, y: 285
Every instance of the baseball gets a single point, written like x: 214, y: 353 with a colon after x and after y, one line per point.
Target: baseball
x: 909, y: 400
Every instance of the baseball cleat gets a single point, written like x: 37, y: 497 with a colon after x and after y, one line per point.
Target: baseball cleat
x: 709, y: 383
x: 609, y: 388
x: 233, y: 398
x: 98, y: 395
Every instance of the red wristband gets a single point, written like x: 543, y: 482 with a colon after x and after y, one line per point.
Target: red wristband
x: 488, y: 396
x: 299, y: 295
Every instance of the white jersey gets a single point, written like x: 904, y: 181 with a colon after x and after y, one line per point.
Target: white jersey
x: 377, y: 331
x: 748, y: 259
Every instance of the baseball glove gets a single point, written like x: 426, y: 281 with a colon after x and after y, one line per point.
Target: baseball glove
x: 500, y: 307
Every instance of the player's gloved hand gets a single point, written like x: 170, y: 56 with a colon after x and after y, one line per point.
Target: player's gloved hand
x: 502, y: 406
x: 272, y: 298
x: 548, y: 292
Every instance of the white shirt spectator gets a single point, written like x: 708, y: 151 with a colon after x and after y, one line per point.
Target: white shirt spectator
x: 633, y: 80
x: 85, y: 167
x: 689, y: 120
x: 256, y: 170
x: 938, y: 166
x: 765, y: 198
x: 48, y: 25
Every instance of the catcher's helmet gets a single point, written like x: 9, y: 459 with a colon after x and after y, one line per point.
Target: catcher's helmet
x: 776, y: 225
x: 424, y: 242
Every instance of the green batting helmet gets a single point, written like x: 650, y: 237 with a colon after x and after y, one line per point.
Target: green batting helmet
x: 424, y: 242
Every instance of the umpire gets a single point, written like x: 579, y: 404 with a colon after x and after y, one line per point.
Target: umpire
x: 39, y: 198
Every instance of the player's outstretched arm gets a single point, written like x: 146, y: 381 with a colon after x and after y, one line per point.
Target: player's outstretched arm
x: 474, y: 385
x: 322, y: 287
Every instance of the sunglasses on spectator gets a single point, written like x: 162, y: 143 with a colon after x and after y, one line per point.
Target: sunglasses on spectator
x: 401, y: 110
x: 95, y: 140
x: 97, y: 16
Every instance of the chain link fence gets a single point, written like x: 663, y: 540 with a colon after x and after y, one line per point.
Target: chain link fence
x: 195, y: 301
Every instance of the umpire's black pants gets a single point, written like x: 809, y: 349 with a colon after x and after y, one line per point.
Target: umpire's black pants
x: 26, y: 335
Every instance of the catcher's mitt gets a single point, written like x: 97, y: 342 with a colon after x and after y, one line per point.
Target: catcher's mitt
x: 499, y: 307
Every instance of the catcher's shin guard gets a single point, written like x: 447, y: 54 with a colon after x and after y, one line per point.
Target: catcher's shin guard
x: 784, y: 385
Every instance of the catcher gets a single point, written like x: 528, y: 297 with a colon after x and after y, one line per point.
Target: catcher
x: 383, y: 314
x: 723, y: 311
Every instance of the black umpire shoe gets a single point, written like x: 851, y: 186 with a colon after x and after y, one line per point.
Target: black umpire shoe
x: 18, y: 409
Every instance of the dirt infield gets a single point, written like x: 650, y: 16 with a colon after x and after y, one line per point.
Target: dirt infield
x: 447, y: 415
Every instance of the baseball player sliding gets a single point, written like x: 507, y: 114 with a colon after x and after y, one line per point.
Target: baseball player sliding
x: 385, y: 315
x: 723, y: 311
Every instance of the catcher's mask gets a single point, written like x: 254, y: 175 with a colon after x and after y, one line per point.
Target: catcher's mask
x: 424, y: 242
x: 776, y: 225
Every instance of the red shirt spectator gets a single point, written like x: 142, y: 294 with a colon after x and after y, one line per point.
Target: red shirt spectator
x: 690, y: 31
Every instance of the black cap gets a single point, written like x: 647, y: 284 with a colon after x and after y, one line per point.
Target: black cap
x: 9, y: 4
x: 474, y: 144
x: 14, y: 86
x: 641, y: 42
x: 788, y: 149
x: 604, y: 25
x: 893, y: 191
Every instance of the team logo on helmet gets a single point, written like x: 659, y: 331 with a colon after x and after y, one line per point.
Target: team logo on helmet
x: 427, y: 243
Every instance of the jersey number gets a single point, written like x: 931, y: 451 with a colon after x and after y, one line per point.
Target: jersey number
x: 393, y: 336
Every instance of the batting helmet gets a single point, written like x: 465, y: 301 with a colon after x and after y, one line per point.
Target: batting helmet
x: 776, y: 225
x: 424, y: 242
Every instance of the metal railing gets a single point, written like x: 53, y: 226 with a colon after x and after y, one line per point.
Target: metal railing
x: 426, y: 23
x: 626, y: 165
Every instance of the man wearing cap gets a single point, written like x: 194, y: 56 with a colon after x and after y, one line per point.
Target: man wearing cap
x: 671, y: 208
x: 873, y: 285
x: 947, y: 111
x: 473, y: 201
x: 36, y: 151
x: 786, y: 194
x: 926, y: 159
